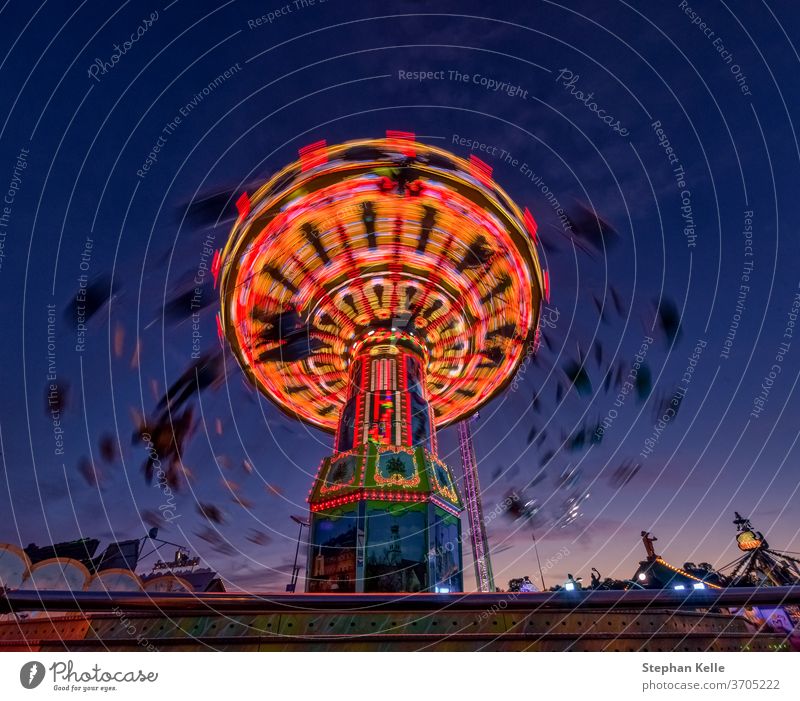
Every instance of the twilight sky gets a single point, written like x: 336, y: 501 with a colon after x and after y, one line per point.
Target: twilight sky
x: 674, y: 121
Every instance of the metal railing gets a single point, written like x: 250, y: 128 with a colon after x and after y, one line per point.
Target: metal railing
x: 18, y: 601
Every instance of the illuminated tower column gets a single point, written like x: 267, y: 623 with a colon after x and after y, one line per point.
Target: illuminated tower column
x: 387, y: 398
x: 472, y: 493
x: 384, y: 508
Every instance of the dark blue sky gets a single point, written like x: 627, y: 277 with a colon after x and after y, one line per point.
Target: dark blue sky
x: 721, y: 79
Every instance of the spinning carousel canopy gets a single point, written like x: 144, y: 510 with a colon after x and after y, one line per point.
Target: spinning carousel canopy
x: 380, y: 234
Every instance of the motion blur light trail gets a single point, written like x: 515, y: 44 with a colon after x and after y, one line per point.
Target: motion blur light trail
x: 374, y: 238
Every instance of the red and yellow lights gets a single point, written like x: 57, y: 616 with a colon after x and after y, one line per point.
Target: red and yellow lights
x: 749, y: 540
x: 370, y: 236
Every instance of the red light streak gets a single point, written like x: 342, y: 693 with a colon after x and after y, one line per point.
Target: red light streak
x: 243, y: 205
x: 313, y: 155
x: 531, y: 225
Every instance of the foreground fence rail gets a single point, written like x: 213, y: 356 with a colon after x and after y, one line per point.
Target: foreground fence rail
x: 229, y: 602
x: 698, y: 620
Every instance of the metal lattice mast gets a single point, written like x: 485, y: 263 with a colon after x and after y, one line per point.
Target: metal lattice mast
x: 472, y: 489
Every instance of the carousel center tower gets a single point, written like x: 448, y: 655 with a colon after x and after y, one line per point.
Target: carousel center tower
x: 381, y: 289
